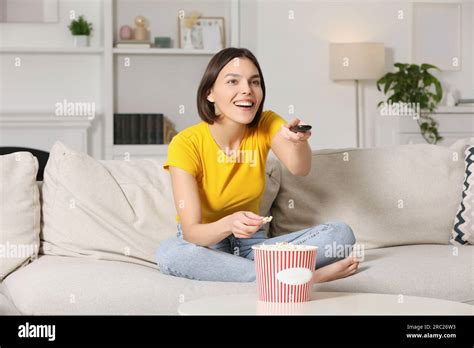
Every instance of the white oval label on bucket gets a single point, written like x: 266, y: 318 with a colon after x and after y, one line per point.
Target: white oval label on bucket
x: 295, y: 276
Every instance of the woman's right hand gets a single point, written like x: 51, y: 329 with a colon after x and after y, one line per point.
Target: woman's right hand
x: 243, y: 224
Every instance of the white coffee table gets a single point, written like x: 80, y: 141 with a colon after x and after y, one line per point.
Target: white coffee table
x: 326, y: 303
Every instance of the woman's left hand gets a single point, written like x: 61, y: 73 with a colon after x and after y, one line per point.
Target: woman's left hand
x: 298, y: 137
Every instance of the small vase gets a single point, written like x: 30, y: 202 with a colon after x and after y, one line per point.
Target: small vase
x: 81, y: 40
x: 187, y: 39
x: 451, y: 98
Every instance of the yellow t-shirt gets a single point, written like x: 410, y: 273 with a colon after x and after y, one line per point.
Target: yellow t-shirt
x: 226, y: 184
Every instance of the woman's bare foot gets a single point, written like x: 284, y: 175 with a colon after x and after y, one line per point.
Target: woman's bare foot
x: 336, y: 270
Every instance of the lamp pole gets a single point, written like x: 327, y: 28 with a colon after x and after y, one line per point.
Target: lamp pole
x: 359, y: 118
x: 357, y: 61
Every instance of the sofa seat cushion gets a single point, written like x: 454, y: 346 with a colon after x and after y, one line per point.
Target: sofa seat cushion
x: 72, y: 285
x: 6, y: 305
x: 425, y: 270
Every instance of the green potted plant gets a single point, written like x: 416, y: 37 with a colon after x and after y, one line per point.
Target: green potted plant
x: 80, y: 30
x: 415, y: 86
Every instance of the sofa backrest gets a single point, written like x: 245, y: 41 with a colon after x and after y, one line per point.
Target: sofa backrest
x: 110, y: 209
x: 122, y: 210
x: 390, y: 196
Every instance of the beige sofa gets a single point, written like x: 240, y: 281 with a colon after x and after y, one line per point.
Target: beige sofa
x: 101, y: 222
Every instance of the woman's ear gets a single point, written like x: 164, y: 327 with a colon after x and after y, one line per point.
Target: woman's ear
x: 210, y: 97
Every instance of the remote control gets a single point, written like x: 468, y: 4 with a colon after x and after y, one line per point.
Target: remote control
x: 300, y: 128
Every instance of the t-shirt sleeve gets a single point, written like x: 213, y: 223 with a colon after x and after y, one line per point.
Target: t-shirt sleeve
x: 271, y: 123
x: 182, y: 154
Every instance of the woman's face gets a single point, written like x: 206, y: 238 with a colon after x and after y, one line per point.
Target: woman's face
x: 237, y: 92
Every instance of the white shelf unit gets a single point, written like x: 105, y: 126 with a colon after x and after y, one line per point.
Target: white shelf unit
x: 107, y: 54
x: 26, y: 124
x: 113, y: 151
x: 52, y: 50
x: 165, y: 51
x: 120, y: 151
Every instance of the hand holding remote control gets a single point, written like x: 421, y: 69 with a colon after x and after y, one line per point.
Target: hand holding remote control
x: 297, y: 131
x: 300, y: 128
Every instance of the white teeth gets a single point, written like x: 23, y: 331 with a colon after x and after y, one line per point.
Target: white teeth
x: 243, y: 103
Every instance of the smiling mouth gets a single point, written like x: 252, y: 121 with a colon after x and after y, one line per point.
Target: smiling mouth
x: 244, y: 105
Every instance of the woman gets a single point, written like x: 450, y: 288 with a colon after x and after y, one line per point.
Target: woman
x: 217, y: 171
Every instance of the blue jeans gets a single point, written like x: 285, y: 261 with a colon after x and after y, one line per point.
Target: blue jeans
x: 231, y: 260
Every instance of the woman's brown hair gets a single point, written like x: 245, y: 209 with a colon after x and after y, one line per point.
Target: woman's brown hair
x: 205, y: 107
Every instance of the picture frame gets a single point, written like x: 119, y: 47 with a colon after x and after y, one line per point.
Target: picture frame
x: 29, y: 11
x: 443, y: 21
x: 207, y: 33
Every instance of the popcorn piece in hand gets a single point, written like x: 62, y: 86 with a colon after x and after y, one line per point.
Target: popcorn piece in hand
x: 267, y: 219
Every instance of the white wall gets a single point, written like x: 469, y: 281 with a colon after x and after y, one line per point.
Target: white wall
x: 294, y: 57
x: 293, y: 54
x: 45, y: 79
x: 54, y: 34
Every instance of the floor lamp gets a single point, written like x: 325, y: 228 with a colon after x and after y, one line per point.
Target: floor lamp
x: 357, y: 61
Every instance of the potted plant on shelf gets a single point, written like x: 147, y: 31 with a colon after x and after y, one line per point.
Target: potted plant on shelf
x: 80, y: 30
x: 413, y: 85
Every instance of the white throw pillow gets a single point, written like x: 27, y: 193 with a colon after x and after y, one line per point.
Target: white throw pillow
x: 111, y: 210
x: 19, y: 211
x: 463, y: 229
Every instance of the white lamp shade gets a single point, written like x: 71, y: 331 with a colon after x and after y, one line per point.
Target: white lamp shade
x: 356, y: 61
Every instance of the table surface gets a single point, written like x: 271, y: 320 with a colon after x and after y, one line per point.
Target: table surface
x: 326, y: 303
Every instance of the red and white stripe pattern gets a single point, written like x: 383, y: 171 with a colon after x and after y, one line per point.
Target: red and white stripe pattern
x: 269, y: 262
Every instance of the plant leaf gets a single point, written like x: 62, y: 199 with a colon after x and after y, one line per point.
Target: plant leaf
x: 429, y: 66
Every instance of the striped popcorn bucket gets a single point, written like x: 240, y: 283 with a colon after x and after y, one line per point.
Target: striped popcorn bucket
x: 284, y: 275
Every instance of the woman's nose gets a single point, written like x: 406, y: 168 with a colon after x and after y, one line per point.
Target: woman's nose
x: 246, y: 87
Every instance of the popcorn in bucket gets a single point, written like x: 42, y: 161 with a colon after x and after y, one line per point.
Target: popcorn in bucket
x: 284, y: 271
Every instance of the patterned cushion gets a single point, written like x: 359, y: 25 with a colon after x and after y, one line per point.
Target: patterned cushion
x: 463, y: 230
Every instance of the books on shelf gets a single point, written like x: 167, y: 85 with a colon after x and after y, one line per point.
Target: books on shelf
x: 133, y: 44
x: 142, y: 129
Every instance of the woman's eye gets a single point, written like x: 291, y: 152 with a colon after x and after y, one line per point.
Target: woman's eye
x: 232, y: 81
x: 256, y: 82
